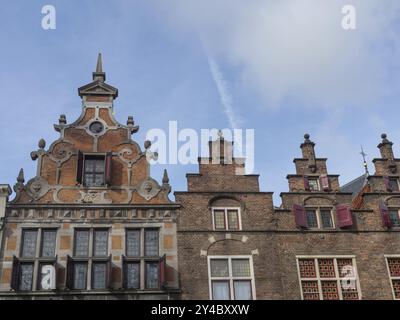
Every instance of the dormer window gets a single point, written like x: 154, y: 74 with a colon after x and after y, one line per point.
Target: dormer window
x: 94, y: 170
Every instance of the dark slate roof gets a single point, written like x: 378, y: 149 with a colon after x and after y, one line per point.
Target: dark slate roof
x: 355, y: 185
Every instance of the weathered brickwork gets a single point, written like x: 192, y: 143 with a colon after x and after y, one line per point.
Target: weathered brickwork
x: 93, y: 224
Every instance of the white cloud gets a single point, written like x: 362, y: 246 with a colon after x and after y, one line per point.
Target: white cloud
x: 297, y: 49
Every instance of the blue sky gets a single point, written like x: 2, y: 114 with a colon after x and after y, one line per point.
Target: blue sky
x: 287, y: 67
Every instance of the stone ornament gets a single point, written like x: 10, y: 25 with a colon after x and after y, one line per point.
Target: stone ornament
x: 37, y: 187
x: 93, y: 197
x: 149, y: 189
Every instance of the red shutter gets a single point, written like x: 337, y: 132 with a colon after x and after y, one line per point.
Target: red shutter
x: 79, y: 171
x: 306, y: 184
x: 324, y: 180
x: 108, y: 168
x: 108, y: 273
x: 344, y: 215
x: 300, y: 215
x: 15, y: 274
x: 387, y: 183
x: 385, y: 215
x: 69, y: 281
x: 163, y: 269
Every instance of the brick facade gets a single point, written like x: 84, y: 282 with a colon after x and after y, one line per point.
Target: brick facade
x: 223, y: 237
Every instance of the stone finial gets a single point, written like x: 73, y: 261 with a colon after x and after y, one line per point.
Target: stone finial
x: 62, y: 120
x: 307, y: 148
x: 147, y: 144
x: 42, y: 144
x: 131, y: 125
x: 385, y: 148
x: 21, y: 177
x: 99, y: 74
x: 165, y: 179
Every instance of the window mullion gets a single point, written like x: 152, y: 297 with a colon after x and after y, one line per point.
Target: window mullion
x: 318, y: 279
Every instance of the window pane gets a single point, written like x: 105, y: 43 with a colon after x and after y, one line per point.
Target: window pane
x: 151, y: 243
x: 82, y: 243
x: 94, y: 171
x: 152, y: 281
x: 219, y: 268
x: 313, y: 183
x: 29, y: 243
x: 219, y: 219
x: 133, y: 243
x: 242, y: 290
x: 220, y: 290
x: 89, y: 165
x: 326, y: 219
x: 240, y: 267
x: 99, y: 271
x: 307, y: 268
x: 99, y: 166
x: 100, y: 243
x: 132, y: 275
x: 394, y: 185
x: 394, y: 217
x: 326, y: 268
x: 26, y: 276
x: 80, y: 273
x: 310, y: 290
x: 48, y: 243
x: 233, y: 219
x: 312, y: 221
x: 329, y: 290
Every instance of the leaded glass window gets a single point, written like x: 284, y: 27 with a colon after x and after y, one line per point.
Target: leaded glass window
x: 94, y: 171
x: 29, y: 243
x: 241, y: 268
x: 326, y: 218
x: 48, y: 246
x: 219, y: 219
x: 152, y: 277
x: 26, y: 277
x: 80, y: 275
x: 132, y: 275
x: 99, y: 271
x: 312, y: 221
x: 219, y: 268
x: 133, y: 243
x: 81, y: 243
x: 233, y: 219
x: 100, y: 240
x: 151, y: 243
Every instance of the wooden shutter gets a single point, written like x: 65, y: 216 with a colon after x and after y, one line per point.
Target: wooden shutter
x: 387, y: 184
x: 79, y: 171
x: 300, y: 215
x: 108, y: 272
x: 108, y: 168
x: 344, y: 216
x: 124, y: 273
x: 15, y: 274
x: 163, y: 269
x: 324, y: 180
x: 69, y: 283
x: 385, y: 215
x: 306, y: 184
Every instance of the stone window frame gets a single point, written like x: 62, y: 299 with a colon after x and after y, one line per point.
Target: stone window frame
x: 90, y: 259
x: 97, y: 156
x: 142, y: 259
x: 226, y: 218
x: 391, y: 278
x: 230, y: 278
x: 319, y: 217
x: 337, y: 277
x: 392, y: 208
x: 37, y: 260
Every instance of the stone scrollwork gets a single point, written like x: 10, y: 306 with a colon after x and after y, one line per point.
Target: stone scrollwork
x: 61, y: 152
x: 149, y: 189
x: 97, y: 197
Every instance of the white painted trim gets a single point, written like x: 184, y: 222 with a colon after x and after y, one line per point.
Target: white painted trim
x: 319, y: 218
x: 230, y: 278
x: 388, y: 270
x: 226, y: 217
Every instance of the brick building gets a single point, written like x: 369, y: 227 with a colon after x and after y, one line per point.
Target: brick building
x: 93, y: 224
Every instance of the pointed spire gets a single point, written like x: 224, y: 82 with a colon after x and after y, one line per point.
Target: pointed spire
x: 21, y: 178
x: 99, y: 74
x: 165, y: 179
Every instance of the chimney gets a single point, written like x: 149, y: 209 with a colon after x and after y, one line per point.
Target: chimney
x: 221, y: 150
x: 385, y: 147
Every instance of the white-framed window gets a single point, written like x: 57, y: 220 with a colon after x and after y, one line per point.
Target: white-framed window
x: 394, y: 216
x: 328, y: 278
x: 320, y: 218
x: 393, y: 266
x: 231, y: 278
x: 313, y: 183
x: 226, y: 218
